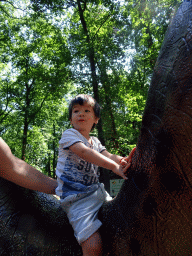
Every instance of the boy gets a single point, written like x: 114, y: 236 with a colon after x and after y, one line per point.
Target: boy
x: 80, y: 192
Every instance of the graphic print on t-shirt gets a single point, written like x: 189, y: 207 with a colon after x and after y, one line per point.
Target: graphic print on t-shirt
x: 75, y: 175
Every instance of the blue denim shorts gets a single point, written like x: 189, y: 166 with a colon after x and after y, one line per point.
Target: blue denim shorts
x: 83, y: 213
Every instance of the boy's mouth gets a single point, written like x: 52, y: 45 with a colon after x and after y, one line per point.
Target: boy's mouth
x: 81, y: 120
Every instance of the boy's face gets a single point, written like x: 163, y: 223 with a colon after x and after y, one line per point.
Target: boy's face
x: 83, y: 117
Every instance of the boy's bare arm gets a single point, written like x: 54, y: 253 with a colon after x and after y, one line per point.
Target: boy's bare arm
x: 94, y: 157
x: 115, y: 158
x: 21, y: 173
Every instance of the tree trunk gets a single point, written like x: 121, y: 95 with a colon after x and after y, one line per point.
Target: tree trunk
x: 106, y: 85
x: 54, y: 154
x: 26, y: 121
x: 24, y: 142
x: 91, y: 55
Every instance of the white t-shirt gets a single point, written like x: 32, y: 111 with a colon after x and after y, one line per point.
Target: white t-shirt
x: 75, y: 175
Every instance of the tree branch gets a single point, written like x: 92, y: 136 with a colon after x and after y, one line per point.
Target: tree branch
x: 13, y: 5
x: 5, y: 11
x: 101, y: 26
x: 41, y: 105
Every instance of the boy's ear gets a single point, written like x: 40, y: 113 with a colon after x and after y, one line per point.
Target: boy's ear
x: 97, y: 120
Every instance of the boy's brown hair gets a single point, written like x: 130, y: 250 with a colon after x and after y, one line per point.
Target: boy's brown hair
x: 81, y: 99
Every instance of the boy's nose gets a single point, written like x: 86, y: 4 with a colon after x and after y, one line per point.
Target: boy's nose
x: 81, y: 113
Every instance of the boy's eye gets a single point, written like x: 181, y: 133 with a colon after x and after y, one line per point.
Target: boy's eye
x: 87, y: 110
x: 75, y: 111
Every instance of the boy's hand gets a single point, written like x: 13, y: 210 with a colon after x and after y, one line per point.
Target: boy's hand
x: 126, y: 161
x: 123, y: 162
x: 119, y: 171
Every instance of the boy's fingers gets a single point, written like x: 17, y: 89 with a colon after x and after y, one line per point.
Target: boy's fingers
x: 124, y: 177
x: 132, y: 151
x: 128, y: 164
x: 123, y: 161
x: 126, y: 167
x: 131, y: 154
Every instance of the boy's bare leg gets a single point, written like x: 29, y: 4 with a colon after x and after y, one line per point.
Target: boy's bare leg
x: 92, y: 246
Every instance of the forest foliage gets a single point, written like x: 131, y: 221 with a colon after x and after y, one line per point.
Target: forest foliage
x: 51, y: 51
